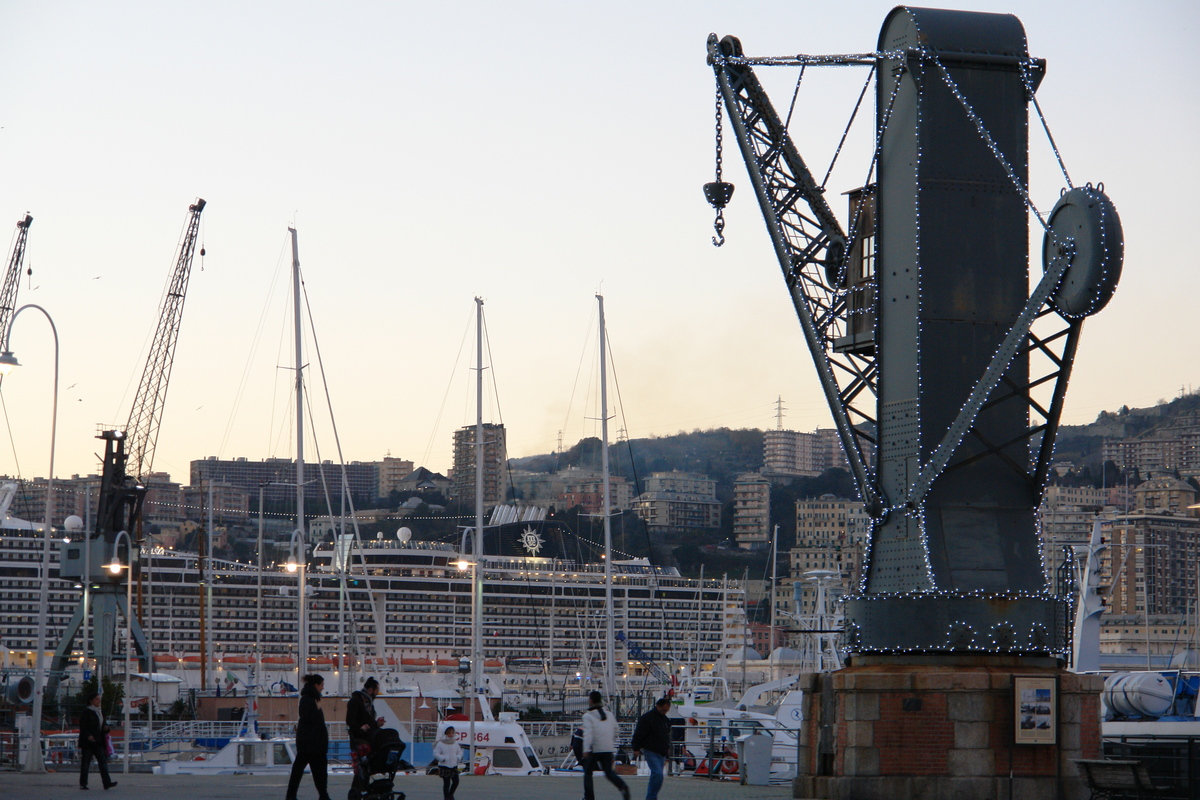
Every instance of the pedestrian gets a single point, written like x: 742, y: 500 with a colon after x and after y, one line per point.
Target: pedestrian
x: 599, y: 744
x: 448, y: 754
x: 312, y: 740
x: 361, y: 724
x: 652, y: 737
x: 93, y: 742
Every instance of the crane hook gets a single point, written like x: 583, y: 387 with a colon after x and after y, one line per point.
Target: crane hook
x: 718, y: 193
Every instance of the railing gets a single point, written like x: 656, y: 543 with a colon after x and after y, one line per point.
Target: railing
x: 1173, y: 761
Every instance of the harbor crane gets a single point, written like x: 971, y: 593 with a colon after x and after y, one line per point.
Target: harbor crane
x: 12, y: 276
x: 128, y: 455
x: 943, y: 363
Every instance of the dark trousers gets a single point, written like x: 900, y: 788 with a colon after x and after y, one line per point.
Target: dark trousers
x: 85, y: 757
x: 605, y: 762
x: 449, y: 782
x: 317, y: 765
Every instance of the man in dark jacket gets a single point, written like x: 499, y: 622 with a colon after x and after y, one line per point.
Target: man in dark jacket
x: 361, y: 725
x: 652, y: 737
x: 92, y: 743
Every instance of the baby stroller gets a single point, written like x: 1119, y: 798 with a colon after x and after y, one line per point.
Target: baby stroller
x: 376, y: 768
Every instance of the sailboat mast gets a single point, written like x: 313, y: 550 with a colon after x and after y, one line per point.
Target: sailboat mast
x: 302, y: 656
x: 477, y: 539
x: 610, y: 682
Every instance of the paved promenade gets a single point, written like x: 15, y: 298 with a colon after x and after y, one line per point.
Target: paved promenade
x: 62, y: 785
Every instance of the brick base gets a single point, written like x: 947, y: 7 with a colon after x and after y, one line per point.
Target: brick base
x: 928, y: 731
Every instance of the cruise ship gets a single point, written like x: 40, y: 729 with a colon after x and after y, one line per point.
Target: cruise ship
x: 397, y: 609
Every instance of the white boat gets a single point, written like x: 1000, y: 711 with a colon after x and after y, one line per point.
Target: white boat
x: 711, y: 734
x: 501, y: 745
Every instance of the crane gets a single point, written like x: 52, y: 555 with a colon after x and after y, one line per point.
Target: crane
x: 12, y: 276
x: 128, y: 455
x: 945, y: 368
x: 145, y: 417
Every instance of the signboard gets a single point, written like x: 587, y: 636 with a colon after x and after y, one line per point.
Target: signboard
x: 87, y: 674
x: 1035, y: 706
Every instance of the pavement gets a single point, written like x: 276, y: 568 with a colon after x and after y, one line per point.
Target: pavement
x: 63, y: 785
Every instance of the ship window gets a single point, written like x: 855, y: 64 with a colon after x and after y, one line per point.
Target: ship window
x: 506, y: 758
x: 282, y: 756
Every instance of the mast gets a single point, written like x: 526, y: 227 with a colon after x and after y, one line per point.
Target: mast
x: 302, y: 656
x: 610, y: 635
x: 476, y: 540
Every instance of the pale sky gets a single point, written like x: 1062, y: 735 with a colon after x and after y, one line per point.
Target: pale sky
x: 530, y: 153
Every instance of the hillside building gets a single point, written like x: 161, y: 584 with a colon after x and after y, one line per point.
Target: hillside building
x: 495, y: 459
x: 831, y: 534
x: 752, y: 512
x: 678, y: 501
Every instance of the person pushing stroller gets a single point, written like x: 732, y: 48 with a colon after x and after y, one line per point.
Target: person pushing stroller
x: 361, y: 725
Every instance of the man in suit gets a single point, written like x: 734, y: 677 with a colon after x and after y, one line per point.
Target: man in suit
x: 93, y: 732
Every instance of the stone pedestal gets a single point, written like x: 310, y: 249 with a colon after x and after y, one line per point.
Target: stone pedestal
x: 940, y: 728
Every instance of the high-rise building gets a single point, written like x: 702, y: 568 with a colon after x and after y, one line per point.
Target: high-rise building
x: 752, y: 512
x: 495, y: 458
x: 277, y: 477
x: 678, y: 501
x: 1153, y: 557
x: 1066, y: 516
x: 795, y: 454
x: 391, y: 472
x: 831, y: 534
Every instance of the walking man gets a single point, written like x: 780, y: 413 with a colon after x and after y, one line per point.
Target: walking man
x: 652, y: 737
x: 361, y: 724
x: 599, y: 745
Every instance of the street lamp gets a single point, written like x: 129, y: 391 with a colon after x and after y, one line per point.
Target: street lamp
x: 476, y: 654
x: 297, y: 562
x: 115, y: 568
x: 35, y: 761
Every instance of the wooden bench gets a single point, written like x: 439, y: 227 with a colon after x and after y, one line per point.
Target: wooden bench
x: 1115, y: 778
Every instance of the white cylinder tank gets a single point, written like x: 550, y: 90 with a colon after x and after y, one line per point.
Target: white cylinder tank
x: 1138, y: 694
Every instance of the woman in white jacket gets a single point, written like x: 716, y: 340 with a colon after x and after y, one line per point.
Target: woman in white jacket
x: 448, y: 754
x: 599, y: 745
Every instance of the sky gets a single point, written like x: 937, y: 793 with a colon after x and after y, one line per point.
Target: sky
x: 529, y: 153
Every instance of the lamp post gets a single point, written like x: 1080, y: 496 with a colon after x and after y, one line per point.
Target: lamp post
x: 297, y: 561
x: 115, y: 568
x: 35, y: 761
x: 465, y: 565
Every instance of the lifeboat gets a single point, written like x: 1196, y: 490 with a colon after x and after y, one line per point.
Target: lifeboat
x: 446, y: 664
x: 279, y: 662
x: 379, y: 662
x: 166, y: 660
x: 320, y: 662
x: 237, y: 661
x: 493, y: 664
x: 191, y: 661
x: 416, y: 664
x: 565, y: 665
x: 526, y: 665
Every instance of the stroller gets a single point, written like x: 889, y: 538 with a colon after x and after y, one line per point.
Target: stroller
x: 376, y: 766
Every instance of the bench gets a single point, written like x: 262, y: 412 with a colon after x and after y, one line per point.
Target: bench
x: 1115, y: 778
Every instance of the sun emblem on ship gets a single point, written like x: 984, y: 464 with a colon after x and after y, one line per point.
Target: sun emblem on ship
x: 532, y: 541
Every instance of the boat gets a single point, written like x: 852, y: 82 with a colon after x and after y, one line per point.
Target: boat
x: 502, y: 747
x: 236, y: 661
x: 711, y: 733
x: 416, y: 664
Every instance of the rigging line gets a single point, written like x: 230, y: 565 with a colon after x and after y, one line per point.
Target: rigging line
x: 487, y: 341
x: 628, y: 448
x: 1046, y: 127
x: 449, y: 384
x: 255, y: 342
x: 12, y: 442
x: 795, y: 93
x: 991, y: 144
x: 845, y: 133
x: 579, y: 368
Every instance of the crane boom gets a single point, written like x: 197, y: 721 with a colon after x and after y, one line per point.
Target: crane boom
x: 811, y: 248
x: 12, y: 277
x: 145, y: 416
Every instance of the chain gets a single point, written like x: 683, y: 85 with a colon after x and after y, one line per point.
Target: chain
x: 719, y: 222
